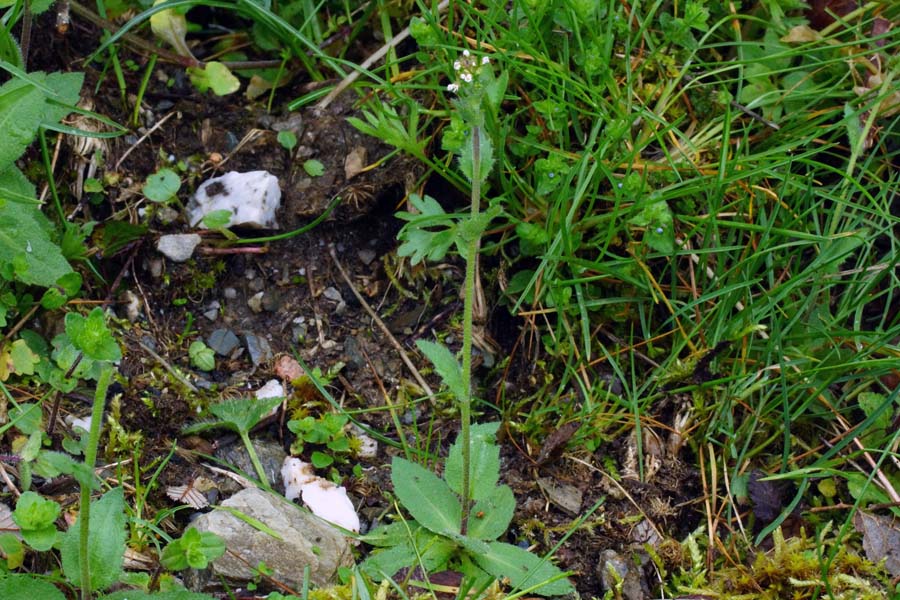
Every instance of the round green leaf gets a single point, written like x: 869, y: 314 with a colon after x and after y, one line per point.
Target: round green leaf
x: 314, y: 168
x: 162, y: 185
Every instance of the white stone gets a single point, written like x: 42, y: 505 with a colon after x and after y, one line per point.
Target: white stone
x: 252, y: 198
x: 368, y: 446
x: 322, y: 497
x: 178, y: 247
x: 272, y: 389
x: 79, y: 422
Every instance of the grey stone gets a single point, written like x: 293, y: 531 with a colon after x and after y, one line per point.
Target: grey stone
x: 567, y: 497
x: 212, y: 310
x: 332, y: 294
x: 620, y: 575
x: 270, y: 453
x: 259, y: 349
x: 223, y: 341
x: 230, y: 293
x: 366, y: 256
x: 271, y: 301
x: 306, y: 540
x: 178, y: 247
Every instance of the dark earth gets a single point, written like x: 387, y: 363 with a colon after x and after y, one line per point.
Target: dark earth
x: 547, y: 464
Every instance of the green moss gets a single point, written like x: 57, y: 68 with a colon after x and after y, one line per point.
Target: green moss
x: 794, y: 568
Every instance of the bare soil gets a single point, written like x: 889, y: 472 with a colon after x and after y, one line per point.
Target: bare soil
x: 214, y: 135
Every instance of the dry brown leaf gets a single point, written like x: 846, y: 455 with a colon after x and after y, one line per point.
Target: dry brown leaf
x: 193, y: 494
x: 556, y: 442
x: 355, y: 163
x: 881, y: 539
x: 800, y: 34
x: 6, y: 520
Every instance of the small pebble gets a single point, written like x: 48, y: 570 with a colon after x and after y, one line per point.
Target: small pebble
x: 366, y: 256
x: 272, y: 389
x: 155, y: 265
x: 259, y: 349
x: 212, y: 310
x: 255, y: 302
x: 230, y: 293
x: 271, y: 301
x: 332, y: 294
x: 178, y: 247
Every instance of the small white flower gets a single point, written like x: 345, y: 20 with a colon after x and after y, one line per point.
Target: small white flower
x: 453, y: 88
x: 465, y: 53
x: 456, y: 65
x: 467, y: 77
x: 485, y: 60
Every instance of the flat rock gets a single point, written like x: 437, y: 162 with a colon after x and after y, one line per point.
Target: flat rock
x: 259, y: 348
x: 306, y: 541
x: 567, y: 497
x: 223, y: 341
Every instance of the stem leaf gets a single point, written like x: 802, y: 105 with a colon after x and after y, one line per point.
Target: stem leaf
x: 446, y: 366
x: 484, y: 466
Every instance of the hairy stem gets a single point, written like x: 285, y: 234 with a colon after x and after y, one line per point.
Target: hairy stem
x: 90, y: 457
x: 465, y: 407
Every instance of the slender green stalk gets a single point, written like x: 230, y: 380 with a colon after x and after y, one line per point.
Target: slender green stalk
x: 465, y: 406
x: 251, y: 452
x: 90, y: 457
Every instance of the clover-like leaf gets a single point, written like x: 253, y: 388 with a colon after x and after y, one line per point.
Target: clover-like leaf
x: 193, y: 549
x: 36, y: 516
x: 202, y: 356
x: 214, y: 76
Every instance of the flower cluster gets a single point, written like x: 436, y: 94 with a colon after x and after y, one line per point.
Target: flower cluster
x: 468, y: 67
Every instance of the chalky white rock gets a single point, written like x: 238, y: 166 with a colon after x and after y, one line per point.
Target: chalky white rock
x: 322, y: 497
x: 252, y: 198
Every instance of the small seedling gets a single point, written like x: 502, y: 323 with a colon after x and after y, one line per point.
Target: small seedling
x: 287, y: 139
x: 202, y: 356
x: 328, y: 431
x: 240, y: 416
x: 194, y: 549
x: 314, y: 168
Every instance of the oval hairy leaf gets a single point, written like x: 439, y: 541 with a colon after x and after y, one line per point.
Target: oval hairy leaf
x: 426, y: 496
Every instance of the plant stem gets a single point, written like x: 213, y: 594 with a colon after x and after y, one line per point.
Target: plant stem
x: 260, y: 472
x: 90, y: 457
x: 465, y: 407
